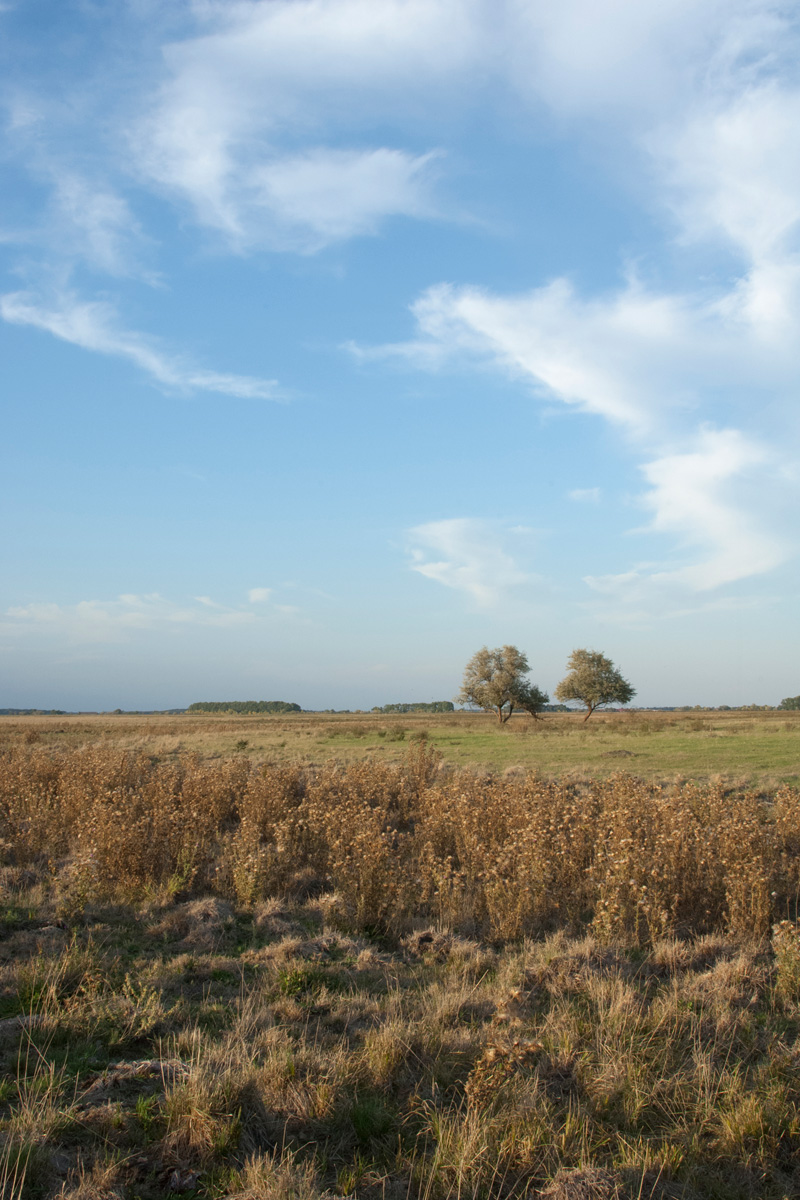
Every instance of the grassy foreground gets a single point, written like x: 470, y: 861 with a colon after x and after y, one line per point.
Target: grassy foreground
x: 201, y: 1050
x: 225, y: 978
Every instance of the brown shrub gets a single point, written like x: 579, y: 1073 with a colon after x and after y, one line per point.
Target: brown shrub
x: 402, y: 845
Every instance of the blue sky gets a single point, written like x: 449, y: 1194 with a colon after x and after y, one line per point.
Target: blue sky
x: 342, y: 337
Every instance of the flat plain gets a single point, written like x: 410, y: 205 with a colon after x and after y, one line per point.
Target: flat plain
x: 415, y: 958
x: 748, y: 747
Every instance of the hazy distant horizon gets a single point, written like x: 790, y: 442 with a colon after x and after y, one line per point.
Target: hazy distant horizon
x: 47, y: 709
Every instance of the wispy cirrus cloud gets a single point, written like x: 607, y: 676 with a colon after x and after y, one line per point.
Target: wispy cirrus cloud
x: 93, y: 223
x: 261, y: 117
x: 643, y: 368
x: 693, y: 497
x: 234, y: 129
x: 119, y: 619
x: 705, y: 117
x: 94, y: 325
x: 116, y: 620
x: 469, y: 555
x: 83, y: 222
x: 305, y: 201
x: 592, y: 354
x: 295, y: 124
x: 309, y: 200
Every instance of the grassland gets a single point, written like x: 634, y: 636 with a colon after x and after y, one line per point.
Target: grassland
x: 357, y: 964
x: 749, y: 748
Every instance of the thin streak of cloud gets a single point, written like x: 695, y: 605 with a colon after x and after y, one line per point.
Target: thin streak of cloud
x: 130, y: 613
x: 93, y: 325
x: 116, y: 620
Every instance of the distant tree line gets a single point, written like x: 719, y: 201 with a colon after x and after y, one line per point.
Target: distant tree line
x: 32, y: 712
x: 243, y: 706
x: 791, y: 702
x: 432, y: 706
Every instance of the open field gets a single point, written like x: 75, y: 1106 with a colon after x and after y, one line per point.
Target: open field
x: 225, y: 978
x: 748, y: 748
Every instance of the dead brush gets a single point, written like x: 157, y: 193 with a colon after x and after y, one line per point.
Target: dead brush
x: 786, y: 947
x: 496, y: 1065
x: 502, y: 858
x: 271, y: 839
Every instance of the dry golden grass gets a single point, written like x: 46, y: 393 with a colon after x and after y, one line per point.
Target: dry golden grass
x: 220, y: 977
x: 394, y: 844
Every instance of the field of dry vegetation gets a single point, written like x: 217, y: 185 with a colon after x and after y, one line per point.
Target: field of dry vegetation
x: 226, y: 973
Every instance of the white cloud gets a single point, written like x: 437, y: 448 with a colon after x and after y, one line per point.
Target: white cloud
x: 83, y: 217
x: 732, y: 176
x: 264, y: 124
x: 225, y: 130
x: 324, y: 195
x: 130, y: 613
x: 263, y: 115
x: 692, y: 496
x: 643, y: 361
x: 467, y: 555
x: 94, y: 223
x: 116, y: 620
x: 631, y: 62
x: 734, y: 169
x: 609, y: 356
x: 93, y: 325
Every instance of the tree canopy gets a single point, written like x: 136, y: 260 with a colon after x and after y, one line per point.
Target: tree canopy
x: 495, y: 680
x: 594, y: 681
x: 428, y: 706
x: 244, y: 706
x: 790, y: 702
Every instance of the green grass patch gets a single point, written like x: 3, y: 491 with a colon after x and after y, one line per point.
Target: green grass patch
x: 759, y: 747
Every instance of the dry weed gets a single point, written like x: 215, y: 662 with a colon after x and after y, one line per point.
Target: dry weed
x: 386, y: 848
